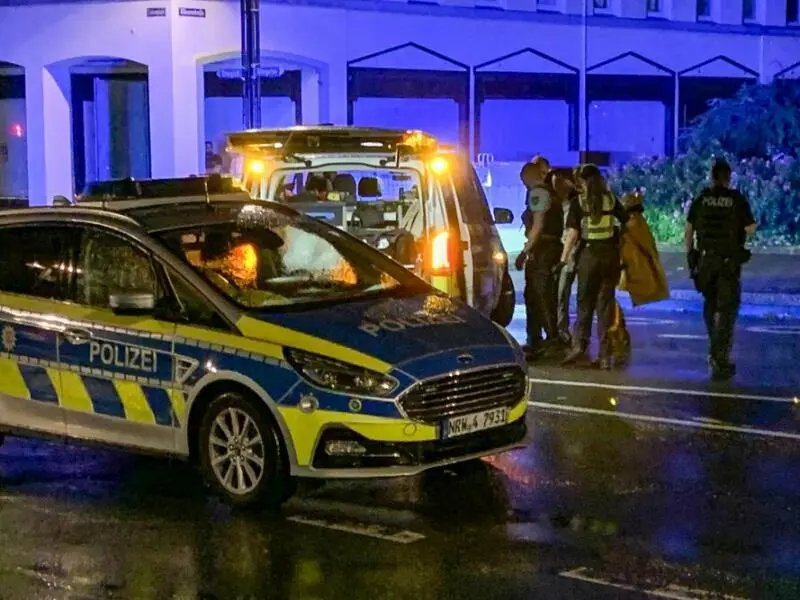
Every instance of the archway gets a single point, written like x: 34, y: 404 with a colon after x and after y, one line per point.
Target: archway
x: 718, y: 77
x: 291, y: 94
x: 13, y: 141
x: 518, y: 97
x: 110, y: 114
x: 410, y: 87
x: 630, y: 107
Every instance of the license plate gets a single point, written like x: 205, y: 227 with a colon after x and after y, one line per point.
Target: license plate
x: 465, y: 424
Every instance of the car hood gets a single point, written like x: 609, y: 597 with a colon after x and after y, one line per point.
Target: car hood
x: 397, y: 330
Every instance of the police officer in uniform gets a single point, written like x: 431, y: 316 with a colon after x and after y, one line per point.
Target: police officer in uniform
x: 595, y: 217
x: 543, y: 220
x: 564, y: 187
x: 717, y: 226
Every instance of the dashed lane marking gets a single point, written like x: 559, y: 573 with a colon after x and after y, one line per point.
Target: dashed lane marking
x: 673, y: 592
x: 775, y: 329
x: 682, y: 336
x: 379, y: 532
x: 658, y: 390
x: 665, y: 420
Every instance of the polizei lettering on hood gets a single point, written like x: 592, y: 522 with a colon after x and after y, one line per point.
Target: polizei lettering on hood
x: 121, y: 356
x: 374, y: 328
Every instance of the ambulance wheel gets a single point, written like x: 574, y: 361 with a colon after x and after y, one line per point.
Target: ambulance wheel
x: 241, y: 454
x: 503, y: 313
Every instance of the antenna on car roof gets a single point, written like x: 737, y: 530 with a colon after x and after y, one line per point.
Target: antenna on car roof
x: 205, y: 190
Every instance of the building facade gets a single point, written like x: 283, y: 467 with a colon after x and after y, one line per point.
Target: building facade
x: 98, y: 89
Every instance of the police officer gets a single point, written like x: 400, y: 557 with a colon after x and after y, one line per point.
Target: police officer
x: 543, y: 219
x: 564, y: 186
x: 594, y: 218
x: 717, y: 226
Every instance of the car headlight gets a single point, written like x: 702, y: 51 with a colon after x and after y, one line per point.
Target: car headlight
x: 339, y: 376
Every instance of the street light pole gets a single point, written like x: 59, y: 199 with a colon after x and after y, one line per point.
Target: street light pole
x: 584, y: 108
x: 251, y: 63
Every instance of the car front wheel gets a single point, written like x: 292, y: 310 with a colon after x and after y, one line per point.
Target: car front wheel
x: 503, y: 313
x: 241, y: 454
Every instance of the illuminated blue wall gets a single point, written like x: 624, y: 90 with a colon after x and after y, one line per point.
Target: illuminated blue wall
x: 507, y: 82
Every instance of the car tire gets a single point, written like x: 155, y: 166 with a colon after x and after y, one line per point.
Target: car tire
x: 503, y: 313
x: 244, y: 463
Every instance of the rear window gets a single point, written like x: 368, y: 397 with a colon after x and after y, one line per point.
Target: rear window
x: 472, y: 199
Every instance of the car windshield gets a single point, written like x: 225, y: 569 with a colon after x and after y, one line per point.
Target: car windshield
x: 261, y: 256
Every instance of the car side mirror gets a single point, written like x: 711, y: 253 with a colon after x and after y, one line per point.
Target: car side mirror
x: 503, y: 216
x: 132, y: 303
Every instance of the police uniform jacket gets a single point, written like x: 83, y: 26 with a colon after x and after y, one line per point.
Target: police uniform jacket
x: 719, y: 216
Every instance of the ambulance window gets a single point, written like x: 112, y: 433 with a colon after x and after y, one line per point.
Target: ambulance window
x: 36, y: 261
x: 471, y: 197
x: 107, y: 265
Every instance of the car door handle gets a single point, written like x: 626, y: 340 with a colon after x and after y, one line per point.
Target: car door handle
x: 77, y: 336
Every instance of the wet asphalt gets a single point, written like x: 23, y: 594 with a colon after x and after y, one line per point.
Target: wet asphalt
x: 650, y: 482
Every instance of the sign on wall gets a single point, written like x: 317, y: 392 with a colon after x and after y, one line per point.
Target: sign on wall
x: 263, y: 72
x: 199, y: 13
x: 157, y: 12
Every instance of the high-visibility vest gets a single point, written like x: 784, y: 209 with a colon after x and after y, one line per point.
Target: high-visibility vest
x: 602, y: 228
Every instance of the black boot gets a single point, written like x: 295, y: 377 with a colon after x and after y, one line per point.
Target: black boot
x: 721, y: 370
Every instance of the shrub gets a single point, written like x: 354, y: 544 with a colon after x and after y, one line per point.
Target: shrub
x: 758, y: 132
x: 771, y: 185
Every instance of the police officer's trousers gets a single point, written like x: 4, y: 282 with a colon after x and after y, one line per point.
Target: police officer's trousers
x: 565, y: 281
x: 719, y: 280
x: 541, y: 293
x: 598, y: 276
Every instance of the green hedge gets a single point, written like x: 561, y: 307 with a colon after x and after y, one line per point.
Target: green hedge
x: 758, y: 132
x: 771, y: 185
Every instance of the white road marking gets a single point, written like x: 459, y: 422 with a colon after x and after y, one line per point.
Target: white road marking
x: 683, y: 336
x: 673, y: 592
x: 665, y: 420
x: 519, y: 314
x: 374, y: 531
x: 658, y: 390
x: 775, y: 329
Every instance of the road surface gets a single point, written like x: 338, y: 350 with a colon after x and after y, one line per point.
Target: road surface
x: 636, y: 484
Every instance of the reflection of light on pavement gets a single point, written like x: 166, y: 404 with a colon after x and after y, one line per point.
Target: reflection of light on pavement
x: 511, y: 465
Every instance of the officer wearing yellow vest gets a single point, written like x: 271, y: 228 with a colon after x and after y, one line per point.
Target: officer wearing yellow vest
x: 594, y: 220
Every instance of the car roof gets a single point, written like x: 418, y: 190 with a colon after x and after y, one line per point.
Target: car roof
x: 66, y: 214
x: 172, y: 187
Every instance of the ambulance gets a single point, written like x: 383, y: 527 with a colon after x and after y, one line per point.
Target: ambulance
x: 402, y: 192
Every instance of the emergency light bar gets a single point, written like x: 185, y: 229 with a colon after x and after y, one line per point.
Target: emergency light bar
x: 330, y: 139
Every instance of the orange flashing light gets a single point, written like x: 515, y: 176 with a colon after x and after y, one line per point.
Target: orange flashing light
x: 438, y: 165
x: 420, y: 140
x: 257, y: 167
x: 440, y: 253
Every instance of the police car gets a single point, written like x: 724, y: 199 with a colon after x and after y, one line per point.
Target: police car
x: 258, y: 342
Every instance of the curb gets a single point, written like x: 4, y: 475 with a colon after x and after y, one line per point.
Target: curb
x: 686, y: 301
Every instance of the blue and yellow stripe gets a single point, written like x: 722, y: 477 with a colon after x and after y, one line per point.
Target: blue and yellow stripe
x: 120, y: 398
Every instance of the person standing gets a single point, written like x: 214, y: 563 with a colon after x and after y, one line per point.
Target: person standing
x: 717, y: 226
x: 564, y: 188
x: 594, y: 218
x: 543, y: 219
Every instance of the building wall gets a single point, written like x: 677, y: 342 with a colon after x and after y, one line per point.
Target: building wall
x: 321, y: 37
